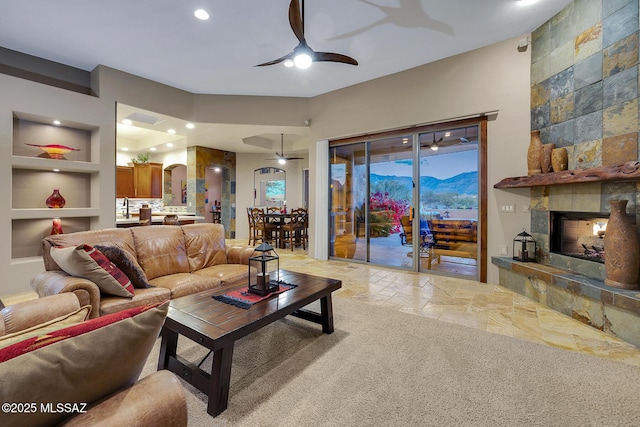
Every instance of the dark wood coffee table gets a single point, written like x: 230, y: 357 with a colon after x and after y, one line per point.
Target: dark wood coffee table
x: 217, y: 326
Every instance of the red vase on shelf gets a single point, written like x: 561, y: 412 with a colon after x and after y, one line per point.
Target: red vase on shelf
x: 57, y: 226
x: 55, y: 200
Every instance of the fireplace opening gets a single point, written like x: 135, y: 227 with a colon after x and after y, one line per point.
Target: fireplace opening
x: 579, y: 234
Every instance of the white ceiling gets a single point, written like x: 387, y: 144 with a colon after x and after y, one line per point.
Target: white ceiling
x: 162, y: 40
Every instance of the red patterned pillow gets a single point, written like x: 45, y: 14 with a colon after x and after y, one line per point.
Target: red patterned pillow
x: 88, y: 262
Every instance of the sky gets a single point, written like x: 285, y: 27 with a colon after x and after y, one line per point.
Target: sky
x: 440, y: 166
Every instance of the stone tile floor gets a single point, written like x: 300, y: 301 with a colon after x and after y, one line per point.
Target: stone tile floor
x: 469, y: 303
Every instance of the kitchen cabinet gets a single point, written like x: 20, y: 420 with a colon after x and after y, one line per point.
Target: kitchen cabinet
x: 147, y: 181
x: 124, y: 181
x: 142, y: 181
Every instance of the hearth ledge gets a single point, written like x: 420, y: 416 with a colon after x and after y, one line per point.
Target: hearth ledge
x: 614, y: 311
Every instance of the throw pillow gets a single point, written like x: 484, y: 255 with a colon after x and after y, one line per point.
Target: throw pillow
x: 70, y: 319
x: 86, y: 261
x: 127, y: 264
x: 77, y: 365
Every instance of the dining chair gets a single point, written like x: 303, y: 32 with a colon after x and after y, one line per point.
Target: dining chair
x: 252, y: 228
x: 293, y: 231
x: 263, y: 231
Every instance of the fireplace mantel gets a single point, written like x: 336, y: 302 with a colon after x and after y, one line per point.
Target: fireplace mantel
x: 628, y: 171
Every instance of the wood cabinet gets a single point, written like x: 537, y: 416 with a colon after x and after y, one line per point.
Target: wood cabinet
x: 124, y: 181
x: 147, y: 181
x: 143, y: 181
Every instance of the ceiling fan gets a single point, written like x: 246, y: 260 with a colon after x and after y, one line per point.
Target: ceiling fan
x: 302, y: 55
x: 280, y: 157
x: 435, y: 144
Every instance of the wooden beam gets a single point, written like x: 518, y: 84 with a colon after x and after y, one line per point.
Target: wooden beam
x: 628, y: 171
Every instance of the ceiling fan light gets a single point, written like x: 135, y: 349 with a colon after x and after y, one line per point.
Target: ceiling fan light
x: 282, y: 161
x: 434, y: 147
x: 289, y: 63
x: 302, y: 61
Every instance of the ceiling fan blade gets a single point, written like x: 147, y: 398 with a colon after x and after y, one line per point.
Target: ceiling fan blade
x: 296, y: 20
x: 276, y: 61
x: 333, y: 57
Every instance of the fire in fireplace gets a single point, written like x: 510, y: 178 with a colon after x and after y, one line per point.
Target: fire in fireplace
x: 579, y: 234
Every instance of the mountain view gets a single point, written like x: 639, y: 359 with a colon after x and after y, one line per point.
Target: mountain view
x: 463, y: 184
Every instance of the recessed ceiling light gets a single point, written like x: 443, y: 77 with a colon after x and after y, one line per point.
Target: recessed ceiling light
x: 56, y: 170
x: 125, y: 149
x: 217, y: 169
x: 152, y: 149
x: 127, y: 122
x: 190, y: 125
x: 57, y: 122
x: 526, y: 2
x: 447, y: 134
x: 171, y: 131
x: 169, y: 145
x: 201, y: 14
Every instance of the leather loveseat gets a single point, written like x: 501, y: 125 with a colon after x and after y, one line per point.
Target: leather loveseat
x: 59, y: 369
x: 175, y: 261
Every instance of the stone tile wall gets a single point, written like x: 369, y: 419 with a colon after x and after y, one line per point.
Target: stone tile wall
x: 584, y: 96
x: 198, y: 160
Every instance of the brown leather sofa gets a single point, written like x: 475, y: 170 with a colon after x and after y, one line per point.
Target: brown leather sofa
x: 156, y: 400
x: 177, y: 261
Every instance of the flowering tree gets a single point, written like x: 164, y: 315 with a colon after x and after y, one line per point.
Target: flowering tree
x: 388, y: 210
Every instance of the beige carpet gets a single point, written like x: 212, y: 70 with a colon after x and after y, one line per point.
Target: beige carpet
x: 385, y: 368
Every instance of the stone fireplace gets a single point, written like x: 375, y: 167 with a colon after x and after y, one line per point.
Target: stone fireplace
x: 585, y: 96
x: 578, y: 235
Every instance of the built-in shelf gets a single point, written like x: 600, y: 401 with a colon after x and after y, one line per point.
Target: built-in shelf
x: 37, y: 163
x: 43, y: 213
x: 628, y: 171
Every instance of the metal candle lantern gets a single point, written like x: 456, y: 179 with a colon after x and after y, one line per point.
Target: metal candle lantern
x: 266, y: 263
x: 524, y: 247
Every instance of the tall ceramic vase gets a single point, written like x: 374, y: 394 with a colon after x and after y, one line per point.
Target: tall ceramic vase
x: 621, y: 249
x: 559, y: 159
x: 545, y: 158
x: 533, y: 154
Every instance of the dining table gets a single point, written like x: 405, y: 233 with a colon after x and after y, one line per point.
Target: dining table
x: 279, y: 219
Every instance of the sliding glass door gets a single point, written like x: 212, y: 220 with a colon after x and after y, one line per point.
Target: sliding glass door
x: 409, y: 200
x: 390, y: 198
x: 449, y: 200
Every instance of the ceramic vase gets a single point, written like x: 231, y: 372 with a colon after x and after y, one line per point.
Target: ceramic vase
x: 55, y: 200
x: 144, y: 216
x: 56, y: 228
x: 533, y: 154
x: 545, y: 158
x: 171, y: 220
x: 621, y: 248
x: 559, y: 159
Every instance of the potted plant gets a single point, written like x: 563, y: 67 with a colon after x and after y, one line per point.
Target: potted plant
x: 141, y: 159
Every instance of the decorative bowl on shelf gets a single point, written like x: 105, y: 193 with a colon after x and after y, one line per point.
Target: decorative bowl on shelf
x: 54, y: 151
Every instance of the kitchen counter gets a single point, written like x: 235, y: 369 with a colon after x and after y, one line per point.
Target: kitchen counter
x: 157, y: 220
